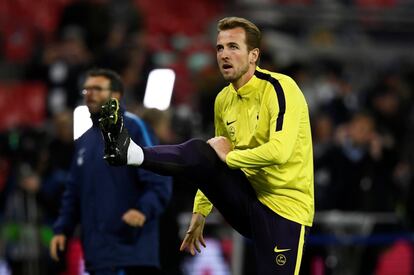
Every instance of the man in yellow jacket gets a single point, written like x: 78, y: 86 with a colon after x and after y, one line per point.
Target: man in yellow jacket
x: 257, y: 170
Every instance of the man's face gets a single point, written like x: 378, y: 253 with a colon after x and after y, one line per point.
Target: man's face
x: 232, y: 54
x: 361, y: 130
x: 97, y: 92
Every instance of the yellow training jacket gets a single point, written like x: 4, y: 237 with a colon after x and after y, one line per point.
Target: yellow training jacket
x: 267, y: 121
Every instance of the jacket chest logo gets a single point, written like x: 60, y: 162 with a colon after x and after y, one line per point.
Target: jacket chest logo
x: 80, y: 158
x: 231, y: 130
x: 231, y: 122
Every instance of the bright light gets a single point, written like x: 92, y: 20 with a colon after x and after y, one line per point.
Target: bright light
x: 159, y: 89
x: 81, y: 121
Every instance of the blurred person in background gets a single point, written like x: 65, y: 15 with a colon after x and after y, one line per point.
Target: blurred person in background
x: 54, y: 165
x: 90, y: 16
x: 5, y: 171
x: 23, y: 225
x: 322, y: 137
x: 160, y: 123
x: 118, y: 207
x: 57, y: 159
x: 354, y: 172
x: 257, y: 171
x: 60, y: 65
x: 24, y: 228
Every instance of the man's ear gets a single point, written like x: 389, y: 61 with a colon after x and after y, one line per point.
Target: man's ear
x: 116, y: 95
x: 254, y: 55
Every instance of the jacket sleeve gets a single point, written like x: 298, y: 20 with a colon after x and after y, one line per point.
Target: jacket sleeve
x: 156, y: 189
x: 202, y: 204
x: 281, y: 142
x: 69, y: 214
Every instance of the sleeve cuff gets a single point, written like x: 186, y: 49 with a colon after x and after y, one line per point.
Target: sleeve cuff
x: 229, y: 159
x: 205, y: 211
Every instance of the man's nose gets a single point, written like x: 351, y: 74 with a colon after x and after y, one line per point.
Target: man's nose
x: 224, y: 55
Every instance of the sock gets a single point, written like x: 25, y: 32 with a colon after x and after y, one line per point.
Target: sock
x: 135, y: 154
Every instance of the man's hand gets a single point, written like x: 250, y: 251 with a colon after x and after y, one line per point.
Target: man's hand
x: 134, y: 218
x: 221, y: 145
x: 58, y: 243
x: 194, y: 236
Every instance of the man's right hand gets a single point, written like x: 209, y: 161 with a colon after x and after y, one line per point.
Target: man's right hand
x: 57, y: 244
x: 194, y: 236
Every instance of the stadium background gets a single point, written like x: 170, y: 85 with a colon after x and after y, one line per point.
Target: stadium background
x: 353, y: 59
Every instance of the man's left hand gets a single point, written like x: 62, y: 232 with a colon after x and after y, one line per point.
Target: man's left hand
x: 221, y: 145
x: 134, y: 218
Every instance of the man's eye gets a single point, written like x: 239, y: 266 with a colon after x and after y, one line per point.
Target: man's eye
x: 233, y: 47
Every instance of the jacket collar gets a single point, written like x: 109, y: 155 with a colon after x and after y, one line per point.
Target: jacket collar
x: 246, y: 89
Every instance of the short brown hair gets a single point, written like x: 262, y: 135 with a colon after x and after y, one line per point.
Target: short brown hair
x: 115, y: 80
x: 253, y: 34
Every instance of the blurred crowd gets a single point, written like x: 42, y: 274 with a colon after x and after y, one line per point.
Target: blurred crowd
x: 362, y: 112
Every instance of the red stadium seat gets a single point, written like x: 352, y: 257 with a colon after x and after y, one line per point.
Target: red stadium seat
x: 398, y: 259
x: 22, y: 104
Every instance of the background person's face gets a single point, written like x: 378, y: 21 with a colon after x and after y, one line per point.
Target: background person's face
x: 97, y: 92
x: 361, y: 130
x: 232, y: 54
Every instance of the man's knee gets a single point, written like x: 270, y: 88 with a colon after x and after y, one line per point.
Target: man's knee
x: 196, y: 145
x: 200, y: 153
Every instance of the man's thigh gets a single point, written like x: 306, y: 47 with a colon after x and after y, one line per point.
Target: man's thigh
x: 232, y: 194
x: 278, y: 242
x: 195, y: 160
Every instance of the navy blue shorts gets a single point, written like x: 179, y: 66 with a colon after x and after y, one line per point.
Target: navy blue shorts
x: 278, y: 242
